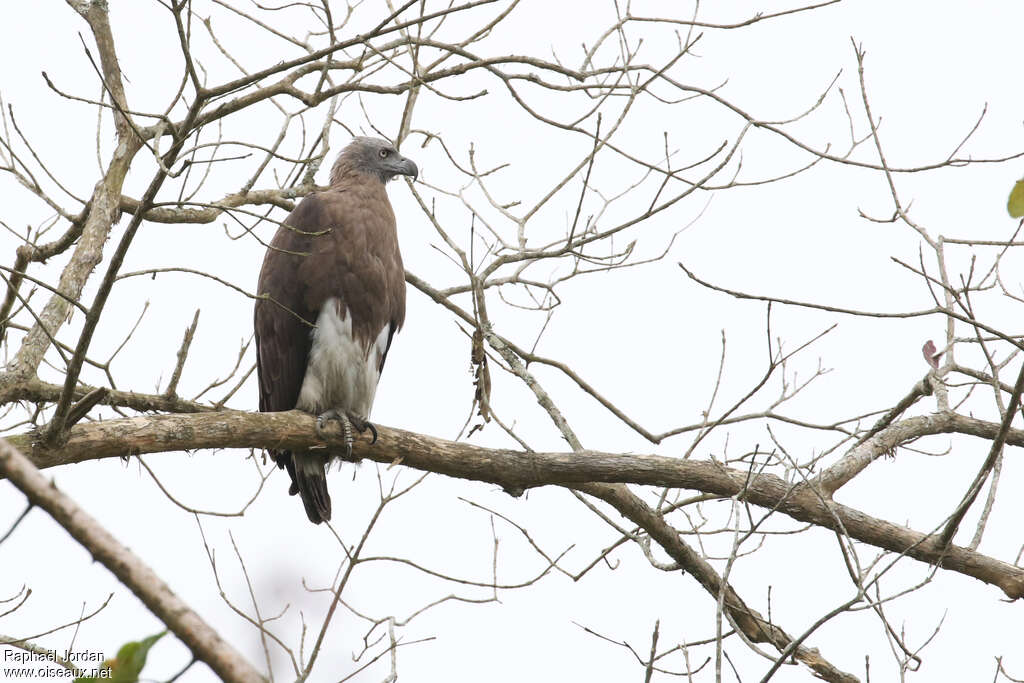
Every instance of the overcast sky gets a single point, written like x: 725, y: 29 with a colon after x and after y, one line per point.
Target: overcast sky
x: 648, y: 338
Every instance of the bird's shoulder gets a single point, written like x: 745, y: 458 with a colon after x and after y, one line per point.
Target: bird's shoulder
x: 360, y: 217
x: 343, y: 203
x: 320, y: 208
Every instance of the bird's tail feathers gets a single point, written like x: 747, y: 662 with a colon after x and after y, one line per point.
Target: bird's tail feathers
x: 310, y: 479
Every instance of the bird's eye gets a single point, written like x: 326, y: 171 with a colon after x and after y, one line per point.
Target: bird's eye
x: 384, y: 153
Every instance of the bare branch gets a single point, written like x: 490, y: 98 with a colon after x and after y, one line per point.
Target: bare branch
x: 205, y: 643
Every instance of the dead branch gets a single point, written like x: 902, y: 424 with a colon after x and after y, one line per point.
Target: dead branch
x: 204, y: 642
x: 517, y: 471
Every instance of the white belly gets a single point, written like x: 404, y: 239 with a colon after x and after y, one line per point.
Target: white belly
x: 340, y: 373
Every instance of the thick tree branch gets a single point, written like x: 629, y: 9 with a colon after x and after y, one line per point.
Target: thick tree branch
x: 204, y: 642
x: 886, y: 441
x: 209, y: 212
x: 518, y: 470
x: 38, y: 391
x: 97, y: 15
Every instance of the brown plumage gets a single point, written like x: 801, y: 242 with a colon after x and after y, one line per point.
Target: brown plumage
x: 335, y: 297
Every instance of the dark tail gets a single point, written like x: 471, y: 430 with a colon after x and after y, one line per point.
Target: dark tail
x: 310, y: 482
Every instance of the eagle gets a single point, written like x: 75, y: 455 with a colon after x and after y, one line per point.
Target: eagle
x: 331, y: 298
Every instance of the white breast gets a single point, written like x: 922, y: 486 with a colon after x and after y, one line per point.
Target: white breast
x: 340, y: 373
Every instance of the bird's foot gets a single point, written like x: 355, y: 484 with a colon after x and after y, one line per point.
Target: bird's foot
x: 362, y: 424
x: 346, y: 428
x: 347, y: 421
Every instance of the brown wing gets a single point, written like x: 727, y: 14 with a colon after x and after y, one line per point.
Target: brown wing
x: 283, y: 321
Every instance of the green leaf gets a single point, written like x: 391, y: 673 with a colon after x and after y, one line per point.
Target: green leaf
x: 1015, y: 205
x: 126, y: 667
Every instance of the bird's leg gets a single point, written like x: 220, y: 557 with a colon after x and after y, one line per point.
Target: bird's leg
x: 347, y: 421
x: 346, y: 433
x: 346, y: 428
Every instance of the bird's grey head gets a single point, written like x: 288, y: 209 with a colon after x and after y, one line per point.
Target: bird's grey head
x: 373, y: 157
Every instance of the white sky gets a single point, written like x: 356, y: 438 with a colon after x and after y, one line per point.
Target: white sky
x: 647, y: 338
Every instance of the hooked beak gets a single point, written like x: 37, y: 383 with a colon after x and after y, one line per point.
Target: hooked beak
x: 408, y: 167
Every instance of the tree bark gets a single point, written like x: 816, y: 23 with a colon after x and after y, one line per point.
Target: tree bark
x: 516, y: 471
